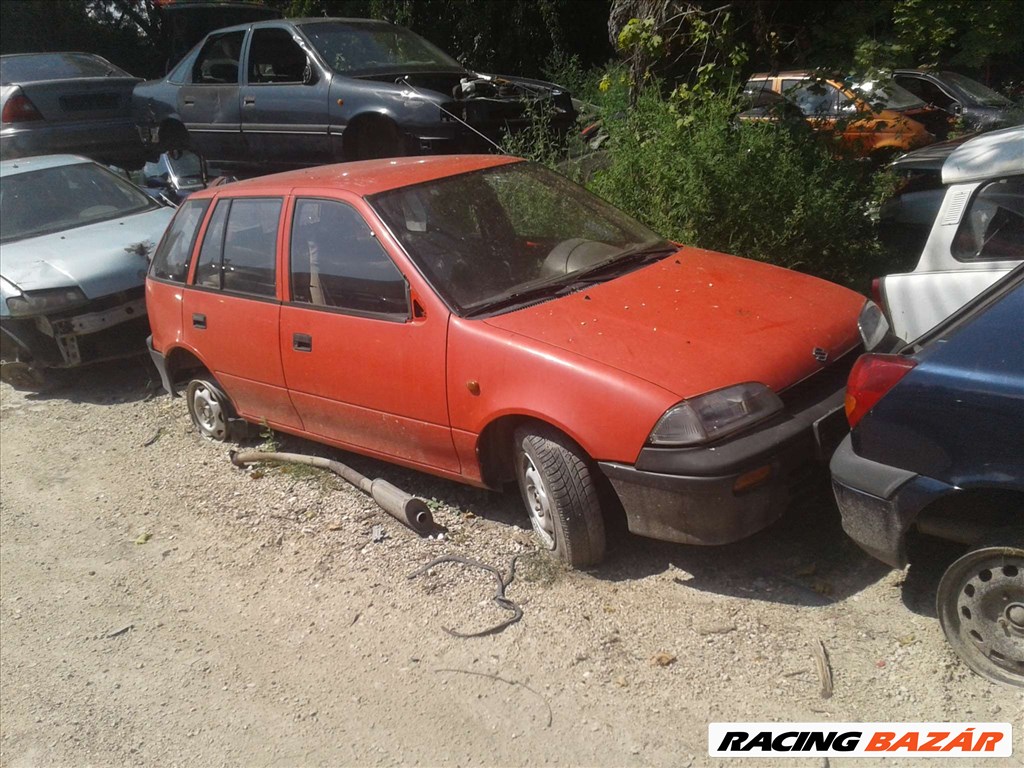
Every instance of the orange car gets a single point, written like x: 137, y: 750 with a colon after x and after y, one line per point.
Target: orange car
x: 863, y: 126
x: 486, y: 320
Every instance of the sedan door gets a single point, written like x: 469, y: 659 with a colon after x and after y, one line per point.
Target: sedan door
x: 365, y: 365
x: 209, y: 104
x: 284, y: 101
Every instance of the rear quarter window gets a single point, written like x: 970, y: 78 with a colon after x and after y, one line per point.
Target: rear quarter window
x: 171, y: 260
x: 992, y: 229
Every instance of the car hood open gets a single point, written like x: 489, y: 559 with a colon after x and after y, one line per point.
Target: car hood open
x: 698, y: 321
x: 102, y: 258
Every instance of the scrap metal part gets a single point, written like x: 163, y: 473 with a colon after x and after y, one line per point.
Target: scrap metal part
x: 409, y: 510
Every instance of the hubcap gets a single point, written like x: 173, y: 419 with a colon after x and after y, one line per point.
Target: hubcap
x: 985, y: 595
x: 538, y: 503
x: 208, y: 412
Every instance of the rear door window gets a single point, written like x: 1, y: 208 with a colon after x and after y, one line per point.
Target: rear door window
x: 172, y: 256
x: 217, y: 63
x: 239, y: 251
x: 338, y: 263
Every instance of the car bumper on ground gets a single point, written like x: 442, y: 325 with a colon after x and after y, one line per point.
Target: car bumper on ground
x: 723, y: 493
x: 161, y: 366
x: 879, y: 503
x: 110, y: 141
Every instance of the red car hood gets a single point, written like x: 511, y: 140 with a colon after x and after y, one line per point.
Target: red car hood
x: 700, y: 320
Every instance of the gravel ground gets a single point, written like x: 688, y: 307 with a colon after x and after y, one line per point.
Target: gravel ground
x: 159, y: 606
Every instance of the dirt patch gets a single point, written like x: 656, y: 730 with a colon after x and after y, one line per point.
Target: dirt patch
x: 161, y: 607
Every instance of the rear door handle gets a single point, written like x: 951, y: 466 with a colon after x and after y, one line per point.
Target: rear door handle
x: 189, y: 102
x: 302, y: 342
x: 199, y: 321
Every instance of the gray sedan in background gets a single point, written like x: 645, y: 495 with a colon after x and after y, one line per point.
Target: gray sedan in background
x: 77, y: 103
x: 302, y: 92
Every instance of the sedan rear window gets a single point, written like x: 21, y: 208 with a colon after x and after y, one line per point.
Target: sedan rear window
x: 55, y: 66
x: 54, y: 199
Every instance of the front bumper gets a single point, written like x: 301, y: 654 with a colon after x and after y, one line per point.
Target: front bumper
x: 110, y: 141
x: 113, y: 329
x: 879, y: 503
x: 702, y: 495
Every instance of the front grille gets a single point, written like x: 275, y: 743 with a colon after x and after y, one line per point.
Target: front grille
x: 820, y: 385
x: 90, y: 102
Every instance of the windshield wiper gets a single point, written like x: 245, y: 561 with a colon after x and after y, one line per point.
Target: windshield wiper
x: 563, y: 285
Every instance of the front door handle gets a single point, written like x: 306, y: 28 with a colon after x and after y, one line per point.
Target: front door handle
x: 199, y: 321
x: 302, y: 342
x: 249, y: 101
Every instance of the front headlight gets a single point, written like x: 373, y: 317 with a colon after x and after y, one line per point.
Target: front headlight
x: 872, y: 325
x: 45, y: 302
x: 715, y: 415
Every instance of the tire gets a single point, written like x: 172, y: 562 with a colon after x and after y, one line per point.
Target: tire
x: 210, y: 410
x: 557, y: 483
x: 174, y: 136
x: 25, y: 377
x: 980, y: 604
x: 375, y: 138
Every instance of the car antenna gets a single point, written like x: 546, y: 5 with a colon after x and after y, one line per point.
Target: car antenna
x: 405, y: 79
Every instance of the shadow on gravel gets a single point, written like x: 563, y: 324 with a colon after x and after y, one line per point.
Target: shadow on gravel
x: 804, y: 559
x: 929, y: 557
x: 118, y: 381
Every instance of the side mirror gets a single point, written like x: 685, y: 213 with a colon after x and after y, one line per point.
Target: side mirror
x: 956, y: 108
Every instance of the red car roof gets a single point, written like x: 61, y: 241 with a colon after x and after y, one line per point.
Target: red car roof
x: 366, y: 177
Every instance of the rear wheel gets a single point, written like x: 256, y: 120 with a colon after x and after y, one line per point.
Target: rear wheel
x: 557, y: 482
x: 981, y: 609
x: 209, y: 409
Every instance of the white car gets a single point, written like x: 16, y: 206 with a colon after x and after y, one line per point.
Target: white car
x: 976, y: 238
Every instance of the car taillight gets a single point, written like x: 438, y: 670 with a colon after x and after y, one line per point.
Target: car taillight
x: 19, y: 109
x: 871, y: 378
x: 876, y: 292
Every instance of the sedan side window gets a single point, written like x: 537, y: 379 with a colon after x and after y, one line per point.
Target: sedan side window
x: 337, y: 262
x: 239, y: 252
x: 171, y: 259
x: 217, y: 63
x: 274, y: 57
x: 926, y: 91
x: 993, y: 227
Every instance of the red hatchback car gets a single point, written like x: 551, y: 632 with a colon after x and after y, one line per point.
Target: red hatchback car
x: 483, y: 319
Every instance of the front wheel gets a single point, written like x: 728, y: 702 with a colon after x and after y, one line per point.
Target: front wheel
x: 556, y: 479
x: 981, y: 609
x: 209, y: 409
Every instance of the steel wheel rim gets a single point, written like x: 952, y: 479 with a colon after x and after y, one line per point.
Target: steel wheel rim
x: 538, y: 503
x: 981, y: 611
x: 208, y: 412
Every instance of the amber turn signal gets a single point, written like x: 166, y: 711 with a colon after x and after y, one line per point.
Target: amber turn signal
x: 752, y: 479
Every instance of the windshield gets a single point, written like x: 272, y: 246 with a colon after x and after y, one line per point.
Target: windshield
x: 486, y: 239
x: 55, y: 199
x: 980, y: 93
x: 55, y: 66
x: 355, y: 49
x: 888, y: 95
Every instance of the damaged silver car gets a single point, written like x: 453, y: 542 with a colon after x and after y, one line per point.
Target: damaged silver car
x: 303, y: 92
x: 75, y: 242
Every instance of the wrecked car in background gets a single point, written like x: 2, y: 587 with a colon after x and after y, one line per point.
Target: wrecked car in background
x: 976, y: 106
x: 75, y: 103
x: 486, y: 320
x: 303, y: 92
x: 75, y: 242
x: 936, y: 448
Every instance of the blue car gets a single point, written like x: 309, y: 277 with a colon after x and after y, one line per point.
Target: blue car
x: 75, y: 242
x: 937, y: 446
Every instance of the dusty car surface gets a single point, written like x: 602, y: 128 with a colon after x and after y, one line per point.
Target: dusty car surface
x: 975, y: 105
x: 977, y: 235
x: 936, y: 449
x: 486, y: 320
x: 304, y: 92
x: 75, y: 241
x: 863, y: 124
x: 78, y: 103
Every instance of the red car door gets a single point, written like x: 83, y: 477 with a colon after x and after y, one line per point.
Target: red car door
x: 231, y: 311
x: 364, y: 368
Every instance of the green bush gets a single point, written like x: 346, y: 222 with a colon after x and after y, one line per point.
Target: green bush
x: 687, y: 167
